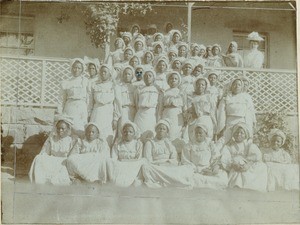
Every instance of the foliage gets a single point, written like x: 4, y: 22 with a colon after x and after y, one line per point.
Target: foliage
x: 102, y: 19
x: 275, y: 120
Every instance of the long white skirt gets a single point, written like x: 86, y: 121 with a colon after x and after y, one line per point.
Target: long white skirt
x: 167, y: 176
x: 145, y: 119
x: 47, y: 169
x: 88, y: 166
x: 283, y: 176
x: 102, y: 115
x: 124, y: 173
x: 176, y: 117
x: 219, y: 181
x: 254, y: 178
x: 78, y: 110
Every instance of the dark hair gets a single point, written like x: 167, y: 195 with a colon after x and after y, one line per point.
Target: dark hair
x: 62, y: 121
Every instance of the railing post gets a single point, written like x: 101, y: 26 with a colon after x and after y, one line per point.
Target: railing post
x: 43, y: 82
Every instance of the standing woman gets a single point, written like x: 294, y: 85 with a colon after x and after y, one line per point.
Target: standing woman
x: 161, y: 73
x: 236, y: 106
x: 49, y: 166
x: 187, y: 80
x: 147, y: 98
x: 175, y: 37
x: 174, y: 105
x: 106, y: 107
x: 93, y: 66
x: 117, y: 55
x: 75, y: 98
x: 215, y: 60
x: 139, y: 47
x: 254, y: 58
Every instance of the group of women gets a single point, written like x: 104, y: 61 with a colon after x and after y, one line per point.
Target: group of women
x: 154, y: 117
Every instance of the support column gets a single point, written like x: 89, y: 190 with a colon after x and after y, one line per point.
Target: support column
x: 190, y: 4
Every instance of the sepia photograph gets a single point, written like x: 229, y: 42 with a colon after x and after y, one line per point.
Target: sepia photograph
x: 149, y: 112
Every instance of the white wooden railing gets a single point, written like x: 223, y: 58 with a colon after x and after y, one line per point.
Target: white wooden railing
x: 34, y: 81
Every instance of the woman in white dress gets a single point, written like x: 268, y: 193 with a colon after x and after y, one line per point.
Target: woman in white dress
x: 117, y: 55
x: 195, y: 50
x: 236, y: 106
x: 148, y: 60
x: 162, y: 169
x: 254, y: 58
x: 172, y: 54
x: 139, y: 47
x: 106, y: 107
x: 174, y: 104
x: 282, y: 173
x: 161, y: 73
x: 215, y: 60
x: 88, y: 161
x: 158, y: 51
x: 147, y: 98
x: 187, y: 80
x: 124, y: 169
x: 204, y: 157
x: 127, y: 38
x: 134, y: 61
x: 232, y: 57
x: 183, y: 49
x: 49, y: 166
x: 243, y: 161
x: 75, y: 97
x: 175, y: 37
x: 176, y: 65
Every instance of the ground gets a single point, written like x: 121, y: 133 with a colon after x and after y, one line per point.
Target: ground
x: 23, y: 202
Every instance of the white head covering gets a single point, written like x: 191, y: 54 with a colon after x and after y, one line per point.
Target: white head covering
x: 148, y: 51
x: 126, y: 34
x: 164, y: 59
x: 135, y: 128
x: 63, y: 117
x: 201, y: 125
x: 135, y: 56
x: 135, y: 25
x: 202, y: 78
x: 194, y: 45
x: 173, y: 49
x: 188, y: 61
x: 151, y: 71
x: 110, y: 69
x: 157, y: 34
x: 72, y: 61
x: 202, y: 47
x: 132, y: 70
x: 129, y: 48
x: 140, y: 40
x: 217, y: 46
x: 216, y: 72
x: 94, y: 124
x: 231, y: 83
x: 171, y: 73
x: 165, y: 121
x: 277, y: 132
x: 172, y: 32
x: 244, y: 126
x: 94, y: 61
x: 122, y: 41
x: 154, y: 44
x: 254, y: 36
x: 180, y: 44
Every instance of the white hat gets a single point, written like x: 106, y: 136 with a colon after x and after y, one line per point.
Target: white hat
x: 165, y: 121
x: 72, y: 61
x: 94, y: 61
x: 277, y: 132
x: 174, y: 72
x: 254, y: 36
x: 63, y: 117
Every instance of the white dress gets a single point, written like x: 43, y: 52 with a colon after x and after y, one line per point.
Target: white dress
x: 203, y: 156
x: 187, y: 84
x: 214, y: 61
x: 106, y: 108
x: 255, y: 177
x: 282, y: 174
x: 254, y: 59
x: 161, y: 81
x: 127, y: 101
x: 233, y: 109
x: 49, y: 167
x: 162, y: 169
x: 75, y: 94
x: 233, y: 60
x: 125, y: 166
x: 173, y: 105
x: 147, y: 98
x: 88, y: 161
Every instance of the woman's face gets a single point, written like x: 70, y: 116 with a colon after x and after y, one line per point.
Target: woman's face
x: 277, y: 142
x: 127, y: 75
x: 161, y: 66
x: 200, y: 134
x: 126, y: 40
x: 239, y: 135
x: 91, y: 133
x: 128, y: 54
x: 173, y: 80
x: 158, y: 49
x: 254, y: 44
x: 62, y: 129
x: 158, y: 38
x: 128, y: 133
x: 169, y: 27
x: 172, y: 56
x: 77, y: 69
x: 195, y: 51
x: 92, y: 70
x: 176, y: 38
x: 212, y: 79
x: 118, y: 44
x: 161, y: 131
x: 197, y: 71
x: 176, y: 65
x: 202, y: 52
x: 148, y: 58
x: 215, y: 50
x: 246, y: 85
x: 138, y: 46
x: 135, y: 29
x: 232, y: 48
x: 187, y: 69
x: 209, y: 51
x: 148, y: 78
x: 237, y: 87
x: 182, y: 51
x: 139, y: 74
x: 201, y: 86
x: 134, y: 61
x: 104, y: 73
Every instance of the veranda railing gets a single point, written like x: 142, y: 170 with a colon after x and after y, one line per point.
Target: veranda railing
x: 35, y: 81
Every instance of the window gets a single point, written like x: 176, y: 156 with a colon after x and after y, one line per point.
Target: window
x: 243, y: 45
x: 13, y: 42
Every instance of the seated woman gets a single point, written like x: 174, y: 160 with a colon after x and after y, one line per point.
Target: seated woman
x: 48, y: 167
x: 162, y: 169
x: 124, y: 167
x: 282, y: 174
x: 232, y: 57
x: 204, y: 157
x: 243, y: 161
x: 88, y: 160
